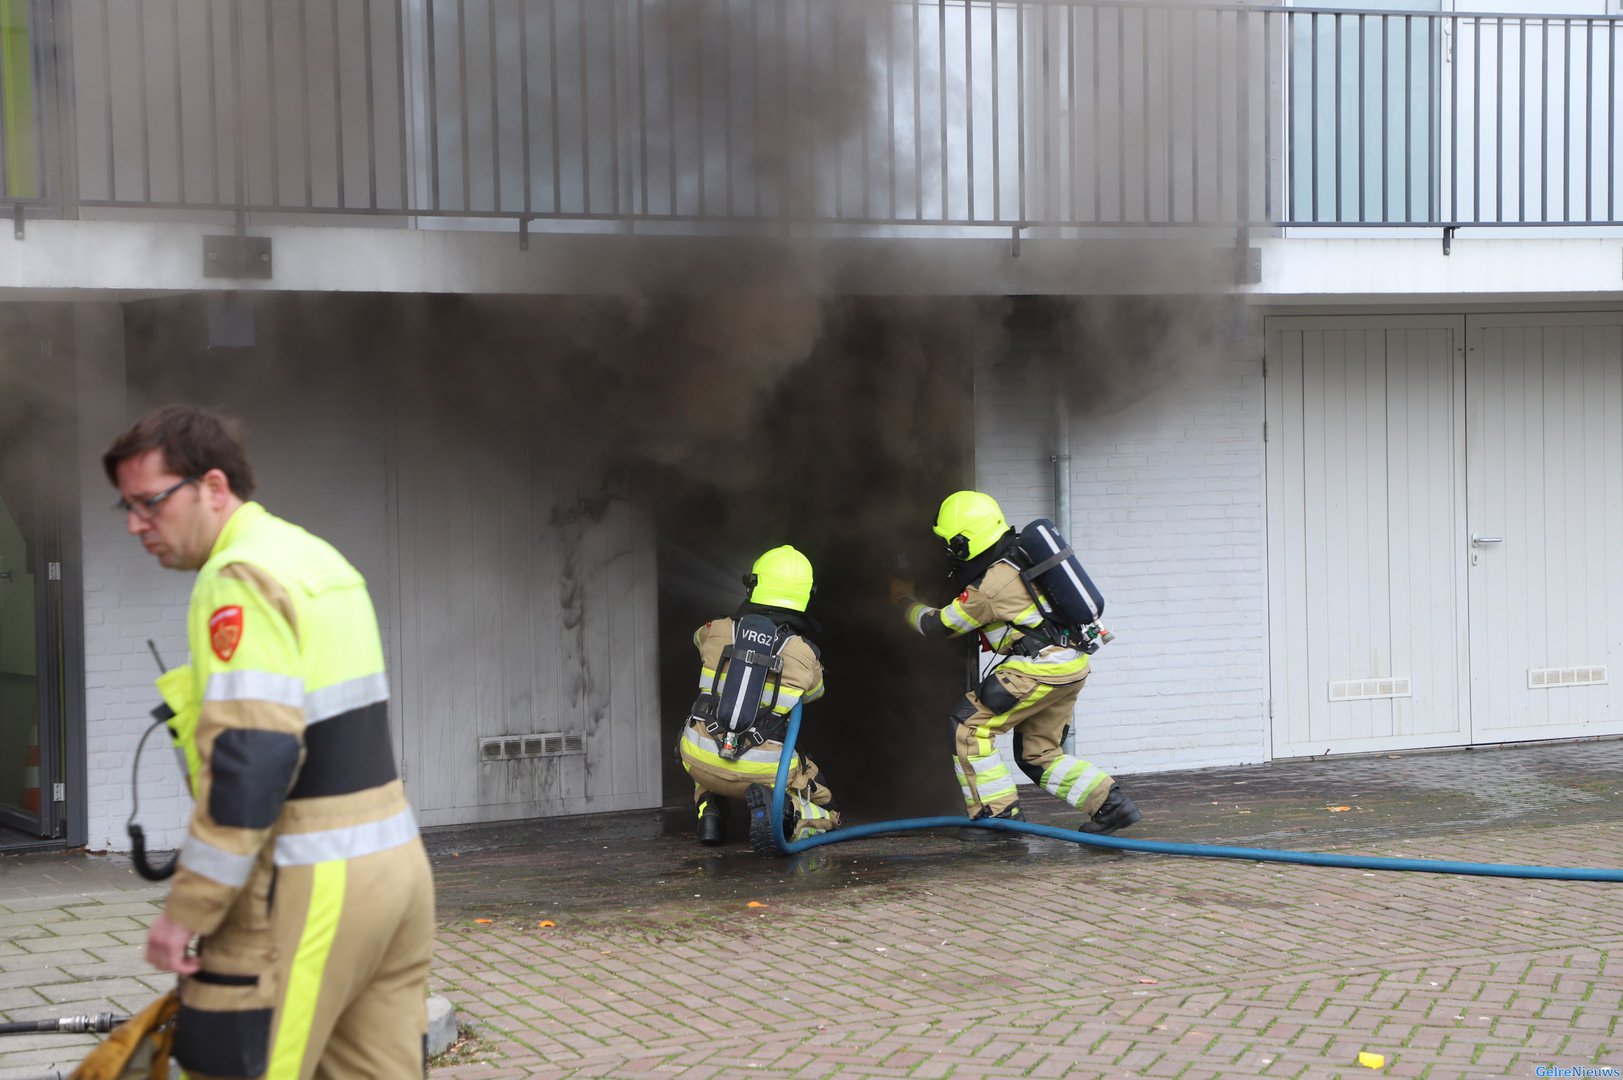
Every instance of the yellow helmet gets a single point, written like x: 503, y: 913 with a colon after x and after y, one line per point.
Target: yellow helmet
x: 969, y: 523
x: 781, y: 578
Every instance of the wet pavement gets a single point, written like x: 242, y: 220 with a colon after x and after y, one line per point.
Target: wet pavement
x: 614, y: 946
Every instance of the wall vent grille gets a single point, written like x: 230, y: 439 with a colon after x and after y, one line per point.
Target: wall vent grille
x: 540, y: 744
x: 1583, y: 675
x: 1369, y: 689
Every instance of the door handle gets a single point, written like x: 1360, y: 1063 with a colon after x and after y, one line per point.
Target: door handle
x: 8, y: 575
x: 1480, y: 540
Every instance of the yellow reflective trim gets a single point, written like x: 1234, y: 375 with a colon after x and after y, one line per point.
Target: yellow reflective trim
x: 743, y: 765
x: 309, y: 966
x: 1048, y: 670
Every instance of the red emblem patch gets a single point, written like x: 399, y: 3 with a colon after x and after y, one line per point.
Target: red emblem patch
x: 963, y: 597
x: 225, y: 631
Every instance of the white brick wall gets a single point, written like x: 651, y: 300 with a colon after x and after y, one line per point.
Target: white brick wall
x: 1168, y: 516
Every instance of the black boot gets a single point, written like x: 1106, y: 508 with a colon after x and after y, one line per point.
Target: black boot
x: 972, y: 832
x: 759, y: 800
x: 712, y: 821
x: 1114, y: 814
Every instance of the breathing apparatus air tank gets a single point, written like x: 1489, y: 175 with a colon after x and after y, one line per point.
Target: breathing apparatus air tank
x: 1069, y: 600
x: 734, y: 701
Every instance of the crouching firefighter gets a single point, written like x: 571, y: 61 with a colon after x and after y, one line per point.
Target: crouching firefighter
x: 1044, y: 637
x: 756, y: 667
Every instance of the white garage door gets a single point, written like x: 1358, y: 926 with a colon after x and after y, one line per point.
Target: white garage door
x: 1445, y: 511
x: 1366, y: 489
x: 1545, y: 447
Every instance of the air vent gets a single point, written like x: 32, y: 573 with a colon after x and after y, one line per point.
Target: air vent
x: 538, y: 745
x: 1547, y: 678
x: 1369, y: 689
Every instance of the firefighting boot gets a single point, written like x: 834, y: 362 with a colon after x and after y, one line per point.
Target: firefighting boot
x: 1011, y: 813
x: 759, y: 801
x: 712, y: 820
x: 1114, y: 814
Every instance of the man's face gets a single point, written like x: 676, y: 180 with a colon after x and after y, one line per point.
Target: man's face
x: 180, y: 530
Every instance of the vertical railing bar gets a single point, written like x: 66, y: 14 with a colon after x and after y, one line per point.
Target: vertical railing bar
x: 1499, y: 124
x: 1521, y: 123
x: 1020, y: 104
x: 642, y: 112
x: 727, y: 104
x: 107, y: 77
x: 180, y: 117
x: 304, y: 88
x: 338, y: 108
x: 670, y: 108
x: 1217, y: 96
x: 837, y: 145
x: 433, y: 109
x: 400, y: 89
x: 1476, y: 118
x: 371, y: 112
x: 241, y: 145
x: 1544, y: 122
x: 614, y: 105
x: 1121, y: 120
x: 1408, y: 117
x: 1166, y: 74
x: 1098, y: 124
x: 755, y: 103
x: 1070, y: 112
x: 1433, y: 118
x: 141, y: 85
x: 1566, y: 121
x: 1313, y: 121
x: 1611, y: 121
x: 698, y: 99
x: 997, y: 118
x: 918, y: 114
x: 867, y: 133
x: 1268, y: 19
x: 1454, y: 120
x: 524, y: 104
x: 1362, y: 63
x: 969, y: 106
x: 1194, y: 108
x: 1386, y: 132
x: 214, y: 108
x: 1167, y: 96
x: 1339, y: 95
x: 1046, y: 123
x: 585, y: 116
x: 1589, y: 119
x: 495, y: 111
x: 941, y: 97
x: 1242, y: 119
x: 890, y: 103
x: 463, y: 103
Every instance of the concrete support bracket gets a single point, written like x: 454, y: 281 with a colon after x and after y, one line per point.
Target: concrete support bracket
x: 17, y: 221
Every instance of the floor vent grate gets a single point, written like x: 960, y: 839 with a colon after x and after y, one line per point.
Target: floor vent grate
x: 538, y: 745
x: 1369, y: 689
x: 1583, y: 675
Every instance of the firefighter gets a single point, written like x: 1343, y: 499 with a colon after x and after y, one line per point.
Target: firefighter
x: 756, y: 667
x: 1032, y: 689
x: 302, y: 870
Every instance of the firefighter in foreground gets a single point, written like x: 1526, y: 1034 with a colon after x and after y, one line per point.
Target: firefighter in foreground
x: 302, y: 870
x: 1031, y: 691
x: 756, y: 667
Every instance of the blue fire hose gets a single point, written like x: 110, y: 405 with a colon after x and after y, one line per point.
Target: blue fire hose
x: 1154, y: 847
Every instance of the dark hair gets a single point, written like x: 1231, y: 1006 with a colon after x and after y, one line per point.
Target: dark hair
x: 193, y: 441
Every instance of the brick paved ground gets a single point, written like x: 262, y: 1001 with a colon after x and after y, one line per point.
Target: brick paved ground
x: 922, y: 956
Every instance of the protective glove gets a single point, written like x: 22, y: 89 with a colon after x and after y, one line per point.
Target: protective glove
x: 900, y: 590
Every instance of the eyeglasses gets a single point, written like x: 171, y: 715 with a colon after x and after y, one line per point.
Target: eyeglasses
x: 146, y: 509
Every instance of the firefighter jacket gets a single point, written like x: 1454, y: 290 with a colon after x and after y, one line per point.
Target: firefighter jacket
x: 288, y: 711
x: 1000, y: 606
x: 801, y: 683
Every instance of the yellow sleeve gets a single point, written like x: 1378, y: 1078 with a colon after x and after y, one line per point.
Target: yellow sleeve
x: 250, y: 737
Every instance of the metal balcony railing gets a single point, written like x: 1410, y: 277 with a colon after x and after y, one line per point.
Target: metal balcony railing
x: 840, y: 114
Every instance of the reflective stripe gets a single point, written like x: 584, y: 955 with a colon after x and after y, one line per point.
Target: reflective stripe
x: 1051, y: 664
x: 229, y: 869
x: 956, y: 618
x: 757, y: 761
x: 309, y: 966
x: 1071, y: 778
x: 255, y: 686
x: 350, y: 842
x: 342, y: 697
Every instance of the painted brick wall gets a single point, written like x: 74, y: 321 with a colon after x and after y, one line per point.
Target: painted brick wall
x: 321, y: 466
x: 1168, y: 516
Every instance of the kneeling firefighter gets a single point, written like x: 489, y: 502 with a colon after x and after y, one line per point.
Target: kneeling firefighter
x: 1034, y: 606
x: 757, y: 666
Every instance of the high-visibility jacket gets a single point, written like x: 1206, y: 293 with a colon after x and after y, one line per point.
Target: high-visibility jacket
x: 800, y: 683
x: 1001, y: 608
x: 301, y: 846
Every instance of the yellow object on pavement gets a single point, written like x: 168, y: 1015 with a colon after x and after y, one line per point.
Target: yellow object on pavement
x: 1371, y: 1061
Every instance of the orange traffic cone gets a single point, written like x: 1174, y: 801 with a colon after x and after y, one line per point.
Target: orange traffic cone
x: 31, y: 781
